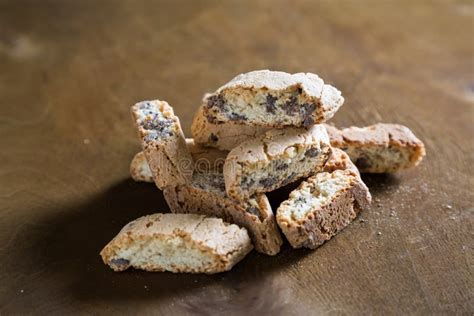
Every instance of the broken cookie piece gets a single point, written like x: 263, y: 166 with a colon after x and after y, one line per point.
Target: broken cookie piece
x: 379, y: 148
x: 205, y: 194
x: 273, y: 99
x: 179, y: 243
x: 322, y: 206
x: 163, y: 143
x: 274, y: 159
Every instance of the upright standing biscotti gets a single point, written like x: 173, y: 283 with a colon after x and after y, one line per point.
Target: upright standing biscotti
x: 273, y: 99
x: 379, y: 148
x: 177, y: 243
x: 224, y: 136
x: 163, y: 143
x: 206, y: 195
x: 322, y: 206
x: 275, y: 159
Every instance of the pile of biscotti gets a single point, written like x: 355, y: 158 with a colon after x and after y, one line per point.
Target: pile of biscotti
x: 257, y: 133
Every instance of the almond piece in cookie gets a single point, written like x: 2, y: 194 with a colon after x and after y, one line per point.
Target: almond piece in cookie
x: 274, y: 159
x: 322, y: 206
x: 163, y: 143
x: 206, y: 195
x: 179, y: 243
x: 273, y: 99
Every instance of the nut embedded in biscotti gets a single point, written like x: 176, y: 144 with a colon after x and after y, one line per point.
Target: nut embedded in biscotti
x: 206, y: 195
x: 179, y: 243
x: 322, y: 206
x: 274, y: 159
x: 273, y: 99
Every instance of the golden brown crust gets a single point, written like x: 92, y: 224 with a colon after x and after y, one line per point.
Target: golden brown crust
x: 220, y: 244
x: 379, y: 148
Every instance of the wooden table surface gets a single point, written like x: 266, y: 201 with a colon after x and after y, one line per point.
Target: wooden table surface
x: 69, y: 71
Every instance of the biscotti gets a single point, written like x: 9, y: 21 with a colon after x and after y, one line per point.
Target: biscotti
x: 379, y: 148
x: 163, y: 143
x: 224, y: 136
x: 139, y: 168
x: 273, y: 99
x: 275, y: 159
x: 177, y: 243
x: 322, y: 206
x: 205, y: 160
x: 206, y: 195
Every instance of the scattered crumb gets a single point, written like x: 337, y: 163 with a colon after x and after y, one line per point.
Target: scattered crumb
x: 21, y: 291
x: 452, y: 218
x: 87, y: 141
x: 379, y: 233
x: 448, y: 206
x: 379, y: 205
x: 363, y: 220
x: 145, y: 287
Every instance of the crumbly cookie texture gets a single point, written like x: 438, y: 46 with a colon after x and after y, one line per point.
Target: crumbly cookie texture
x: 179, y: 243
x: 275, y: 159
x: 273, y: 99
x: 339, y: 160
x: 225, y: 136
x: 206, y: 195
x: 322, y: 206
x: 163, y: 143
x: 379, y: 148
x: 205, y: 160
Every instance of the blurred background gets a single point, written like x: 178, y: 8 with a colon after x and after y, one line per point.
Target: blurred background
x: 70, y: 70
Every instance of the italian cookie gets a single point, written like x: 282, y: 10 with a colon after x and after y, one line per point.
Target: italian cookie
x: 274, y: 159
x: 179, y: 243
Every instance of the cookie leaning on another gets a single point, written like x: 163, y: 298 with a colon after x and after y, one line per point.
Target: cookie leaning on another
x: 275, y: 159
x: 379, y: 148
x: 206, y: 195
x: 224, y: 136
x: 273, y: 99
x: 322, y: 206
x: 205, y: 160
x: 177, y: 243
x: 163, y: 143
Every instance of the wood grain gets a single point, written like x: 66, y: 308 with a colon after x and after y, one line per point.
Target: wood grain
x: 69, y: 71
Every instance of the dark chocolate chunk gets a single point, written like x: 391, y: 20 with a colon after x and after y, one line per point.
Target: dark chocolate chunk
x: 290, y: 106
x: 312, y: 152
x: 270, y: 106
x: 307, y: 110
x: 247, y: 182
x: 268, y: 182
x: 308, y: 121
x: 120, y: 262
x: 237, y: 117
x: 213, y: 138
x: 362, y: 162
x: 216, y: 101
